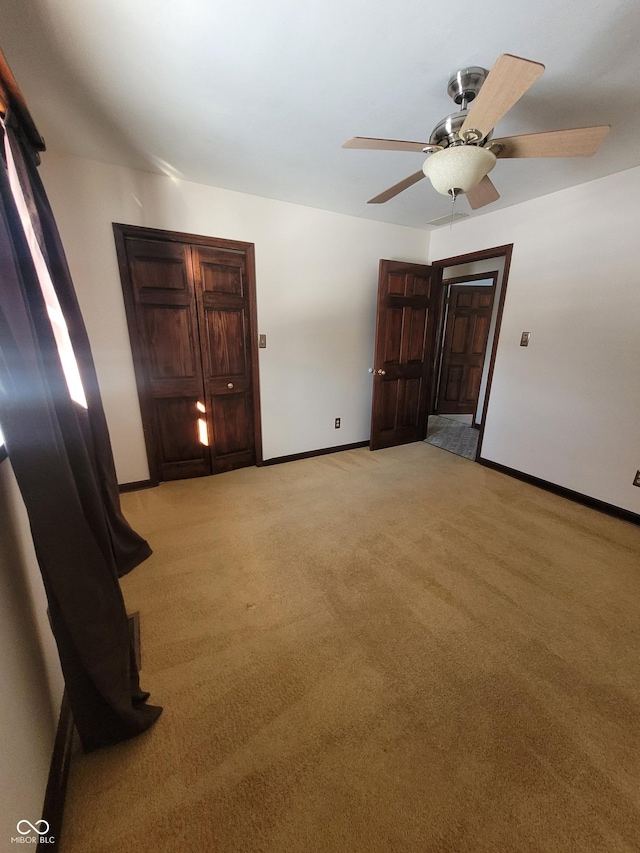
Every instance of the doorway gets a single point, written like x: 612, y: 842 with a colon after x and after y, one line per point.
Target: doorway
x: 191, y: 311
x: 464, y: 336
x: 410, y: 335
x: 473, y: 292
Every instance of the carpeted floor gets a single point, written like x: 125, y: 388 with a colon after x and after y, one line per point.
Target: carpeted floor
x: 451, y: 435
x: 364, y: 652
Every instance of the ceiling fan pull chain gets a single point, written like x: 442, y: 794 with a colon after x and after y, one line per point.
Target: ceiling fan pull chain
x: 453, y: 208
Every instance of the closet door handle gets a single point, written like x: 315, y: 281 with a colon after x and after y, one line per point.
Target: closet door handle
x: 229, y: 384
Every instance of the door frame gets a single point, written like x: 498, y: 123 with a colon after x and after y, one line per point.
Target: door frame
x: 120, y: 233
x: 446, y: 284
x: 458, y: 260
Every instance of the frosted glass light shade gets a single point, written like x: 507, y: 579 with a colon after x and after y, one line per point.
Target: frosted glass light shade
x: 460, y: 168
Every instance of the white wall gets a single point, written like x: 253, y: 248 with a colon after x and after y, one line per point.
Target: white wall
x: 566, y: 407
x: 563, y: 409
x: 30, y: 679
x: 316, y: 286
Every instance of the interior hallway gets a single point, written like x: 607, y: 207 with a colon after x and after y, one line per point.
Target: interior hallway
x: 453, y: 433
x: 394, y: 651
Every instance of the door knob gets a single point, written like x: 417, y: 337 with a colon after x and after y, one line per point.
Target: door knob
x: 382, y: 373
x: 229, y: 384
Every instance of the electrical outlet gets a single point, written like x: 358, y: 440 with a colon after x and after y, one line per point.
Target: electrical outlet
x: 337, y: 424
x: 636, y: 479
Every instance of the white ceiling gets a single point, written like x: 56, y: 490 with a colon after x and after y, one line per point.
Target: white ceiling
x: 259, y: 96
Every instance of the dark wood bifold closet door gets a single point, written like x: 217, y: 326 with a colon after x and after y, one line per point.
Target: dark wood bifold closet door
x: 225, y: 334
x: 167, y: 339
x: 405, y: 334
x: 191, y: 315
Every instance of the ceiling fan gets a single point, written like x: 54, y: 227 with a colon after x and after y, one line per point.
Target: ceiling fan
x: 462, y: 151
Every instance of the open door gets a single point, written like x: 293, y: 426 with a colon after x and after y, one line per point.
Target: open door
x: 403, y: 367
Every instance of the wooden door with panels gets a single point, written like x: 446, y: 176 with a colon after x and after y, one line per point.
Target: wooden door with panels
x: 403, y: 364
x: 411, y: 311
x: 190, y: 304
x: 224, y: 313
x: 469, y: 309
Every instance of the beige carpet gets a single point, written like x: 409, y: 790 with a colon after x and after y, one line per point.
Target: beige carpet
x: 393, y: 651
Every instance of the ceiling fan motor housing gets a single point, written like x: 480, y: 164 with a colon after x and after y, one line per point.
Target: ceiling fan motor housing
x: 464, y: 85
x: 447, y: 132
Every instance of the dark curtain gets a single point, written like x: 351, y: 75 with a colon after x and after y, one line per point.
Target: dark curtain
x: 61, y: 456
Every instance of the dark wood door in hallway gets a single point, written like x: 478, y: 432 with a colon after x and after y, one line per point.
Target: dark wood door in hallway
x: 465, y: 343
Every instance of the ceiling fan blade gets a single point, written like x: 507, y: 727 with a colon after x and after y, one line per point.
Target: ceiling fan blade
x: 396, y: 189
x: 484, y: 193
x: 506, y: 83
x: 384, y: 144
x: 579, y: 142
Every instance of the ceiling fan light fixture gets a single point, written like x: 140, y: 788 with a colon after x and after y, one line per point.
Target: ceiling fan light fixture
x: 459, y: 168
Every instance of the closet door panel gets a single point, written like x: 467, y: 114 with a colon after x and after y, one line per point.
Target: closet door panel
x: 168, y: 344
x: 225, y: 347
x: 223, y: 310
x: 179, y: 437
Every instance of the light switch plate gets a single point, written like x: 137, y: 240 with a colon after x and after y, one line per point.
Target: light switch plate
x: 262, y: 341
x: 636, y: 479
x: 524, y: 340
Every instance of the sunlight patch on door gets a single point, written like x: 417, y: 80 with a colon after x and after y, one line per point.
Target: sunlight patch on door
x: 203, y: 433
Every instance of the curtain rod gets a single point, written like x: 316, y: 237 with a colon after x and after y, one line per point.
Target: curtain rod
x: 11, y: 97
